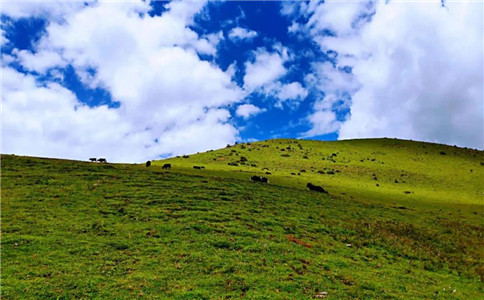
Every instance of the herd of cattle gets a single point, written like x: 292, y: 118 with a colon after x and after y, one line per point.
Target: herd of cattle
x: 99, y: 160
x: 311, y: 186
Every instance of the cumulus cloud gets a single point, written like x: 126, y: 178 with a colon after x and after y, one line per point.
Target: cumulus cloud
x: 57, y: 9
x: 293, y: 90
x: 332, y: 79
x: 41, y: 61
x: 264, y: 75
x: 265, y: 69
x: 240, y: 33
x: 416, y: 69
x: 324, y: 122
x: 341, y: 18
x: 214, y: 38
x: 171, y: 101
x: 3, y: 38
x: 424, y: 80
x: 248, y: 110
x: 55, y: 124
x: 49, y: 121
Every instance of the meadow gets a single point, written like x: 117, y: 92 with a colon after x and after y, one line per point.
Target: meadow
x: 402, y: 219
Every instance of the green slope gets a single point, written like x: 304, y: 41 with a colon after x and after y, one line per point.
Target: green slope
x: 95, y: 231
x: 359, y: 165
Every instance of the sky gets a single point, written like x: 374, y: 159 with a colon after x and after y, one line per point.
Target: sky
x: 138, y: 80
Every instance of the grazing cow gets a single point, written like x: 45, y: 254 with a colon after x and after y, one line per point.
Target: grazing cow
x: 148, y: 163
x: 93, y: 159
x: 316, y: 188
x: 198, y: 167
x: 166, y: 166
x: 102, y: 160
x: 260, y: 179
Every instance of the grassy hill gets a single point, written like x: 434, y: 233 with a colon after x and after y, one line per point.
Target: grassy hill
x: 432, y: 172
x: 85, y: 230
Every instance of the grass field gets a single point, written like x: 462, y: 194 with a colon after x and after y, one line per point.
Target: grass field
x: 75, y: 230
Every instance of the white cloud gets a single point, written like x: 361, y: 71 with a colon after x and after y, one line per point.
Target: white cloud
x: 417, y: 69
x: 40, y: 61
x: 331, y: 79
x: 49, y: 121
x: 294, y: 28
x: 265, y: 69
x: 38, y: 8
x: 239, y: 33
x: 264, y: 73
x: 58, y: 125
x: 293, y: 90
x: 3, y: 38
x: 7, y: 59
x: 231, y: 70
x: 339, y: 17
x: 150, y: 65
x: 288, y: 8
x: 247, y: 110
x: 214, y: 38
x: 424, y: 79
x: 324, y: 122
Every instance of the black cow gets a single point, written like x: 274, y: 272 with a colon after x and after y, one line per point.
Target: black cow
x: 316, y: 188
x: 102, y: 160
x: 148, y: 163
x: 260, y: 179
x: 93, y: 159
x: 166, y: 166
x: 197, y: 167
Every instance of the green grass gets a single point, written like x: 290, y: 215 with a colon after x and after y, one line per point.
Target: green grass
x: 83, y: 230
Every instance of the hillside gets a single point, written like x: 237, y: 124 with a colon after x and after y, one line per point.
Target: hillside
x: 85, y: 230
x: 433, y: 173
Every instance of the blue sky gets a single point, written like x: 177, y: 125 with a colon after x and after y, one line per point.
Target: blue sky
x: 142, y: 80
